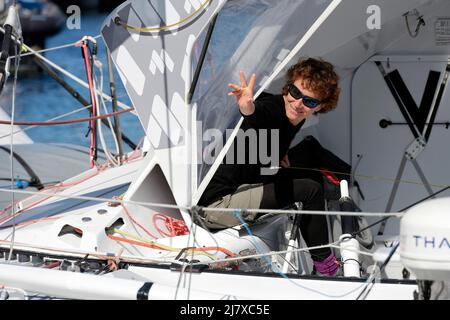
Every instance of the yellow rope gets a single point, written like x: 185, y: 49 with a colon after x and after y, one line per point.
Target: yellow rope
x: 163, y: 247
x: 162, y: 28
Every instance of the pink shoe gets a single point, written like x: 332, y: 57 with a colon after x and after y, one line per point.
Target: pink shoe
x: 328, y: 267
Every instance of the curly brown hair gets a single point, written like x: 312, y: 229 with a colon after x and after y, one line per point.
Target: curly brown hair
x: 318, y: 76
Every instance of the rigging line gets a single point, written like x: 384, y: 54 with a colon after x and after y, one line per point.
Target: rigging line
x: 198, y: 250
x: 34, y: 179
x: 193, y: 230
x: 55, y: 118
x: 201, y: 59
x: 284, y: 276
x: 97, y: 255
x: 65, y: 72
x: 369, y: 283
x: 383, y: 265
x: 144, y: 260
x: 426, y: 198
x: 169, y: 206
x: 13, y: 109
x: 364, y: 253
x: 137, y: 223
x: 183, y: 267
x: 360, y: 176
x: 155, y: 246
x: 138, y: 260
x: 75, y: 94
x: 98, y: 199
x: 63, y: 122
x: 183, y: 270
x: 402, y: 210
x: 369, y: 226
x: 294, y: 268
x: 195, y: 214
x: 238, y: 215
x: 88, y: 57
x: 99, y: 129
x: 355, y: 169
x: 99, y: 65
x: 118, y: 21
x: 113, y: 90
x: 311, y: 212
x: 53, y: 48
x: 271, y: 253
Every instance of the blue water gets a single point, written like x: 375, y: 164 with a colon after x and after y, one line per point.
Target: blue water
x: 40, y: 98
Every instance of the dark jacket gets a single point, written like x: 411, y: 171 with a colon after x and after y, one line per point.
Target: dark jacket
x: 269, y: 114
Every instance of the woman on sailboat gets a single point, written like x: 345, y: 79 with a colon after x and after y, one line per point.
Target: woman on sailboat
x: 311, y: 87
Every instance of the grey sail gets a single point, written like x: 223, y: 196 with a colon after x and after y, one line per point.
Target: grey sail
x: 261, y: 43
x: 156, y: 66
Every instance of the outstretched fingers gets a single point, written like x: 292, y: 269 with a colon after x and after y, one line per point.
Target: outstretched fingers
x: 237, y: 89
x: 252, y: 82
x: 244, y: 87
x: 234, y: 86
x: 243, y: 80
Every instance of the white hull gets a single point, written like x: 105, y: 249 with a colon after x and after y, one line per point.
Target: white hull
x: 126, y: 285
x: 78, y: 226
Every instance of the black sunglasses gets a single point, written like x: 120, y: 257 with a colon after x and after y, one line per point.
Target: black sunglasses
x: 309, y: 102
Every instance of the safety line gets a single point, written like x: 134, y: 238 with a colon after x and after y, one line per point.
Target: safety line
x: 73, y: 44
x: 162, y: 205
x: 52, y: 119
x: 61, y: 122
x: 361, y: 176
x: 66, y: 73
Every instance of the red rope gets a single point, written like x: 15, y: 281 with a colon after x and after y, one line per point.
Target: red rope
x: 330, y: 176
x: 58, y: 187
x: 174, y: 226
x: 93, y: 103
x: 137, y: 223
x: 60, y: 122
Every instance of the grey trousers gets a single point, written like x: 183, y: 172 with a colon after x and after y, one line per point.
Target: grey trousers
x: 247, y: 196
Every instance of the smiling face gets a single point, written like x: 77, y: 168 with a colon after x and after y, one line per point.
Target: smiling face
x: 296, y: 111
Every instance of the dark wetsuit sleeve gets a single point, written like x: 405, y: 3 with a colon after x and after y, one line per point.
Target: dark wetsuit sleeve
x: 266, y: 113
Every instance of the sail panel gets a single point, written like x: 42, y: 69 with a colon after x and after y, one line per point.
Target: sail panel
x: 157, y: 68
x: 155, y: 65
x: 151, y: 43
x: 258, y: 35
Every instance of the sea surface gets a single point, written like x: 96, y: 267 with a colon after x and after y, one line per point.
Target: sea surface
x: 40, y: 98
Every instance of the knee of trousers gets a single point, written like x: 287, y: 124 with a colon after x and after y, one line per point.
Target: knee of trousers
x: 313, y: 188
